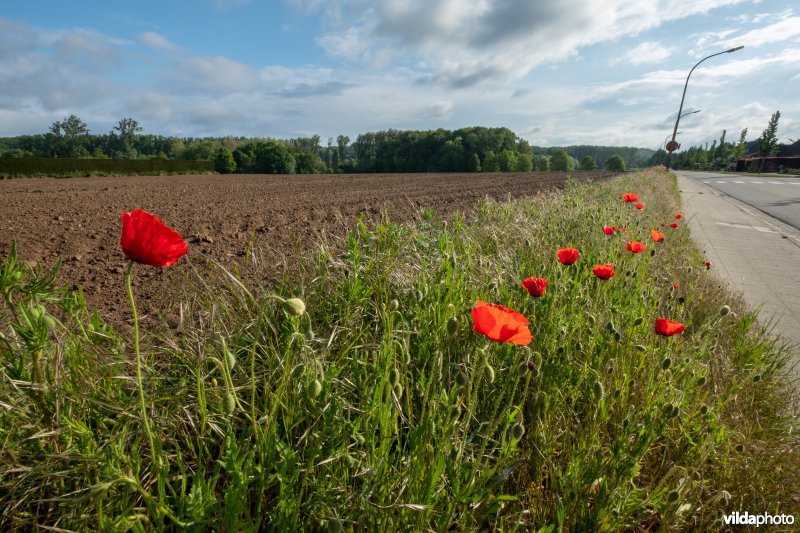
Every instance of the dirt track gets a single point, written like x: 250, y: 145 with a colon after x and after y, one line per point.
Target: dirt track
x: 80, y: 219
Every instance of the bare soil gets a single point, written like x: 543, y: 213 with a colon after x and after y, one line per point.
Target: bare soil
x: 79, y: 219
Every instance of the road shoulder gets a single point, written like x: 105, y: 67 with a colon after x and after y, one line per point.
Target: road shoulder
x: 757, y: 255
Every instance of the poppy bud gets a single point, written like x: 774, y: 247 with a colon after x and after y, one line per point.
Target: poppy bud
x: 297, y: 371
x: 598, y: 390
x: 617, y: 393
x: 394, y: 377
x: 490, y: 373
x: 315, y: 389
x: 398, y: 390
x: 522, y: 368
x: 756, y: 378
x: 418, y: 295
x: 461, y: 379
x: 230, y: 359
x: 641, y: 348
x: 214, y: 382
x: 703, y: 409
x: 666, y: 363
x: 724, y: 310
x: 740, y: 448
x: 701, y: 381
x: 592, y: 320
x: 296, y: 306
x: 517, y: 431
x: 638, y: 321
x: 393, y: 305
x: 230, y: 403
x: 309, y: 335
x: 673, y: 496
x: 528, y: 243
x: 631, y: 383
x: 681, y: 300
x: 452, y: 326
x: 617, y: 336
x: 578, y: 346
x: 16, y: 276
x: 610, y: 325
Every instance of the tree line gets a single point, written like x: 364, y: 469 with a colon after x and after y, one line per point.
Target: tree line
x: 474, y: 149
x: 723, y: 153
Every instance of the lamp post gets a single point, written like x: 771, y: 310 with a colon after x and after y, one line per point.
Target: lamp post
x: 675, y: 130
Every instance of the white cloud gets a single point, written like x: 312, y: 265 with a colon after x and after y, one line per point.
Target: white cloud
x: 439, y: 108
x: 783, y: 30
x: 157, y: 41
x: 466, y: 42
x: 644, y: 53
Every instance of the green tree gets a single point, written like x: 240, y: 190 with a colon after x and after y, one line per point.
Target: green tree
x: 125, y: 136
x: 588, y: 163
x: 224, y: 163
x: 615, y: 163
x: 341, y: 143
x: 474, y: 163
x: 741, y: 146
x: 67, y: 138
x: 490, y: 163
x: 524, y: 163
x: 507, y: 160
x: 561, y: 161
x: 541, y: 163
x: 768, y: 142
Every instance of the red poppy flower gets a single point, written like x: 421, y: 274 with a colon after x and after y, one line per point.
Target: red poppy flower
x: 535, y: 286
x: 668, y: 328
x: 500, y: 323
x: 636, y: 247
x: 609, y: 230
x: 630, y: 197
x: 605, y: 271
x: 146, y: 239
x: 678, y: 215
x: 676, y: 286
x: 674, y: 225
x: 568, y: 256
x: 707, y: 264
x: 657, y: 235
x: 638, y: 205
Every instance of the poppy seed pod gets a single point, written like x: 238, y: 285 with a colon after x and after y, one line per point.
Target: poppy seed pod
x: 641, y: 347
x: 517, y: 431
x: 703, y: 409
x: 394, y: 377
x: 314, y: 389
x: 296, y: 306
x: 673, y: 496
x: 230, y: 403
x: 452, y: 326
x: 666, y: 363
x: 638, y: 321
x: 230, y: 359
x: 461, y: 379
x: 724, y: 310
x: 309, y: 335
x: 598, y: 390
x: 490, y: 373
x: 701, y: 381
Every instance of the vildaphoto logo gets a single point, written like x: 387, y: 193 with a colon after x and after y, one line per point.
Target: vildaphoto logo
x: 764, y: 519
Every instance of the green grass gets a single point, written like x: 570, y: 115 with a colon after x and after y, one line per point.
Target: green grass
x: 369, y: 411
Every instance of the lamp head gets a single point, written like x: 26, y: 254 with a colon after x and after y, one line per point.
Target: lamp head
x: 735, y: 49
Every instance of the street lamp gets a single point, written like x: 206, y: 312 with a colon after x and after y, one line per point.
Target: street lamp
x: 672, y: 143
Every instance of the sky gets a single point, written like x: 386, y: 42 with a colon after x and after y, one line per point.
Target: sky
x: 556, y: 72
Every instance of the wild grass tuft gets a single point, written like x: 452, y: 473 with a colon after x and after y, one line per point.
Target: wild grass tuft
x: 366, y: 401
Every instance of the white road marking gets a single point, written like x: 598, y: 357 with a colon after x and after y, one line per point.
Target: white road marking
x: 739, y: 182
x: 775, y: 183
x: 721, y: 181
x: 757, y: 182
x: 744, y: 226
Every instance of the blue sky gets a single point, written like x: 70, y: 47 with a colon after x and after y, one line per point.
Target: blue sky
x: 556, y: 72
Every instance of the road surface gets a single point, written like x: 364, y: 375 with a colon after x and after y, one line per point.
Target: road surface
x: 757, y: 254
x: 778, y: 197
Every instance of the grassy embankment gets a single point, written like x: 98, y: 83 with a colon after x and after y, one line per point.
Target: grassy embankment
x: 368, y: 413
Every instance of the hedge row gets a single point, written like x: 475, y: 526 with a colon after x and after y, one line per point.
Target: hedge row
x: 43, y: 166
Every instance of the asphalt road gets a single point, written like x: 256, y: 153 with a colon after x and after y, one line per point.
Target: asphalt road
x: 779, y: 197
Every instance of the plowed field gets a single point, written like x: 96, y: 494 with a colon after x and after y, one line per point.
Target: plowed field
x: 79, y: 219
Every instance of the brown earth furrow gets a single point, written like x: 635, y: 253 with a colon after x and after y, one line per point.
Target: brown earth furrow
x: 79, y: 219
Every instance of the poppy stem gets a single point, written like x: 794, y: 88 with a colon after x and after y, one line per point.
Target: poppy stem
x: 142, y: 406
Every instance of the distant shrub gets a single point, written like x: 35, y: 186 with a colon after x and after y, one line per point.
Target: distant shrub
x: 615, y: 163
x: 43, y: 166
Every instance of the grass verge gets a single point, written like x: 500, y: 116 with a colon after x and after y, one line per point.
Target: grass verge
x: 377, y: 407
